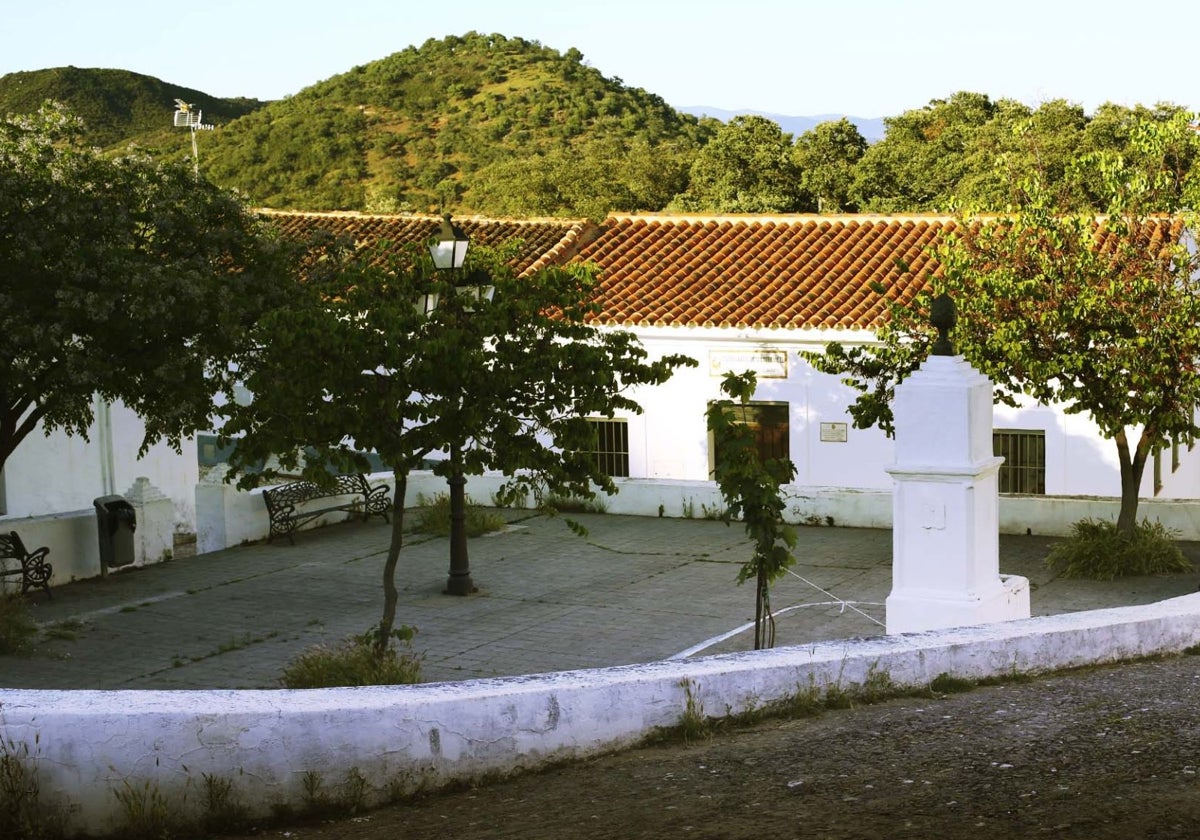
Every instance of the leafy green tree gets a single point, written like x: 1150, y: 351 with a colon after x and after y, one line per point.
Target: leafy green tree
x: 353, y: 365
x: 122, y: 277
x: 922, y: 157
x: 826, y: 157
x: 747, y: 167
x: 1100, y: 315
x: 750, y: 487
x: 1117, y: 130
x: 589, y: 180
x: 1016, y: 143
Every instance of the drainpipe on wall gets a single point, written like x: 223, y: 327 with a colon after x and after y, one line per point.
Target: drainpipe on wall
x: 104, y: 433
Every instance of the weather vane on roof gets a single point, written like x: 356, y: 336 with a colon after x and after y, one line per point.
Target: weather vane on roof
x: 189, y: 116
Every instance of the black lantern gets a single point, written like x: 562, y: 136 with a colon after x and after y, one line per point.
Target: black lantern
x: 449, y: 247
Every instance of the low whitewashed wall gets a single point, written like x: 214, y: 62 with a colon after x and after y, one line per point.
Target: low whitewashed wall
x: 75, y: 544
x: 86, y: 744
x: 228, y: 517
x: 71, y: 538
x: 1054, y: 515
x: 1042, y: 515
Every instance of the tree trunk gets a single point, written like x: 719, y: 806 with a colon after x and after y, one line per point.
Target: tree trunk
x: 390, y: 595
x: 1133, y: 467
x: 764, y: 621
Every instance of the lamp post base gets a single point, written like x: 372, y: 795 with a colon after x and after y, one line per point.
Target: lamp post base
x: 460, y: 585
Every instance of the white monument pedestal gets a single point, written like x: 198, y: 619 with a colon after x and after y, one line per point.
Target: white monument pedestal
x: 945, y: 506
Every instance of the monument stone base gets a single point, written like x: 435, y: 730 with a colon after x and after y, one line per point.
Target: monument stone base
x: 914, y: 610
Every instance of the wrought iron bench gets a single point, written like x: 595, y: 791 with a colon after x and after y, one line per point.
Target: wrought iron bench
x: 34, y: 570
x: 287, y: 510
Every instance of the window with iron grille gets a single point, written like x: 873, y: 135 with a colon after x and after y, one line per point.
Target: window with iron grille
x: 612, y: 446
x: 1024, y: 467
x: 769, y: 421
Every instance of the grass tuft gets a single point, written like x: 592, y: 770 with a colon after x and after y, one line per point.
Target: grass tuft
x: 355, y: 662
x: 693, y: 724
x: 23, y: 813
x: 17, y: 626
x: 1096, y: 550
x: 433, y: 517
x: 147, y: 814
x: 945, y: 683
x: 224, y: 811
x: 574, y: 504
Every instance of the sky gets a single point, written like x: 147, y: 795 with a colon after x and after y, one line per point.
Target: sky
x: 863, y: 58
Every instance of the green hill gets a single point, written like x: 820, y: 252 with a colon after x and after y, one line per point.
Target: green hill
x: 479, y: 123
x: 504, y: 126
x: 117, y: 106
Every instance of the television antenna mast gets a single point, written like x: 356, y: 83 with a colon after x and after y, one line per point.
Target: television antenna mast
x: 189, y: 116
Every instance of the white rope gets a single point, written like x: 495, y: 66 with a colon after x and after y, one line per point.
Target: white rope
x: 729, y: 634
x: 836, y: 598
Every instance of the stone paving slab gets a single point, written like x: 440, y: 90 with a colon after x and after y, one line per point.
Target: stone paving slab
x: 635, y: 589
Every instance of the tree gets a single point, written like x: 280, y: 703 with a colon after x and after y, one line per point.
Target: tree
x: 922, y: 158
x: 747, y: 167
x: 587, y: 179
x: 122, y: 277
x: 750, y: 487
x: 1101, y: 315
x: 351, y: 365
x: 1017, y: 142
x: 826, y: 157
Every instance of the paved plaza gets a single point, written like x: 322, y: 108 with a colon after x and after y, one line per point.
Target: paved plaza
x: 635, y: 589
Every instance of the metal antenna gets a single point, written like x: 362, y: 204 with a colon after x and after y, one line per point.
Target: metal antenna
x: 189, y: 116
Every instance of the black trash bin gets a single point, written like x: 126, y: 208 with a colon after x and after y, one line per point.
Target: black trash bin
x: 116, y: 521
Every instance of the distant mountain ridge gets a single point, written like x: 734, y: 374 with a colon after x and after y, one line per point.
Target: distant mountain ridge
x: 871, y: 128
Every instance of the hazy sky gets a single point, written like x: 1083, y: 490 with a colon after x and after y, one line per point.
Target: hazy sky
x: 867, y: 58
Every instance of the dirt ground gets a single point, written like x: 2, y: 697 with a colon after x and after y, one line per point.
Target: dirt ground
x: 1106, y: 752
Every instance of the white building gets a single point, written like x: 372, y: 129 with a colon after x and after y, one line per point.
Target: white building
x: 741, y: 292
x: 733, y: 293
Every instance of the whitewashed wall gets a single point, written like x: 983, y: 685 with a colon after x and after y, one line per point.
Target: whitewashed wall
x: 670, y: 439
x: 84, y: 745
x: 60, y: 473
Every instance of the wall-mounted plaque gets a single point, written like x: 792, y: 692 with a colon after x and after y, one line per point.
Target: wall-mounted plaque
x: 766, y: 364
x: 833, y: 432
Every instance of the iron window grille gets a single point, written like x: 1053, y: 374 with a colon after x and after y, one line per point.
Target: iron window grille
x: 1024, y: 467
x: 612, y: 446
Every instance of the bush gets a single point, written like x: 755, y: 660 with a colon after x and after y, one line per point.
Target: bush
x: 354, y: 662
x: 1096, y: 550
x: 16, y: 624
x: 434, y: 517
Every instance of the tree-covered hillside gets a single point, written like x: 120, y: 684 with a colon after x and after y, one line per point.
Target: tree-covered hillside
x: 503, y: 126
x: 481, y: 122
x: 117, y: 106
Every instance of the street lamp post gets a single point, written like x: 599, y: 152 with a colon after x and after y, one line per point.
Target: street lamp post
x: 449, y: 252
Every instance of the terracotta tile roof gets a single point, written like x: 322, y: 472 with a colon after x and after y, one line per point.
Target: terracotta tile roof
x: 775, y: 272
x: 782, y: 272
x: 542, y: 241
